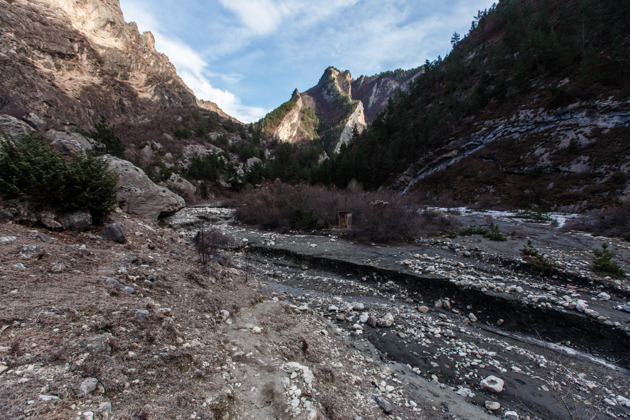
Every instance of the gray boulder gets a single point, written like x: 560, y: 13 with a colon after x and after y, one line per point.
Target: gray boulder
x: 32, y: 252
x: 137, y: 194
x: 69, y: 143
x: 113, y: 232
x: 11, y: 127
x: 78, y: 221
x: 180, y: 186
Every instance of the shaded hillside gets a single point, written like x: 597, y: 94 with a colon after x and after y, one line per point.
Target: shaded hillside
x: 526, y: 65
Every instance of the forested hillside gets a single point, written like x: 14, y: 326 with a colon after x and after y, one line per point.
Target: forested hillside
x: 519, y: 55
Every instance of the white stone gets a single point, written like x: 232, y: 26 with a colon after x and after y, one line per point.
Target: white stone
x: 492, y: 405
x: 492, y: 383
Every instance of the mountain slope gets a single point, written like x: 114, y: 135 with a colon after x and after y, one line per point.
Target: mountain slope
x: 71, y: 61
x: 331, y: 110
x: 525, y: 110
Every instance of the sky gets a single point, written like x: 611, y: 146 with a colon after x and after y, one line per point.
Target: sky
x: 249, y: 55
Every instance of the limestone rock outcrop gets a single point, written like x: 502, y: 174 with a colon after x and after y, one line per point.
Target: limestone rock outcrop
x: 337, y: 105
x: 72, y: 61
x: 137, y: 194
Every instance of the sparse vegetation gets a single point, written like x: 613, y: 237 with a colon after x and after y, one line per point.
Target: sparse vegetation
x: 31, y: 169
x: 537, y: 259
x: 209, y: 241
x: 107, y: 141
x: 604, y: 265
x: 491, y: 232
x: 272, y: 119
x: 611, y: 221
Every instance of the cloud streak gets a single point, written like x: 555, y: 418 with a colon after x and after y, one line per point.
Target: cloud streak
x: 192, y: 67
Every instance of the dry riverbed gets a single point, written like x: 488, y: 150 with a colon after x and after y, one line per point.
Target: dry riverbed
x: 458, y: 311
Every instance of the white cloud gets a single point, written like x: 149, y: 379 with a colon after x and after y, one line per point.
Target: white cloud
x: 263, y: 17
x: 192, y: 67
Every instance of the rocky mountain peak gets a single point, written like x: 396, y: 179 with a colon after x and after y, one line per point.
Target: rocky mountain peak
x: 336, y: 82
x: 72, y: 61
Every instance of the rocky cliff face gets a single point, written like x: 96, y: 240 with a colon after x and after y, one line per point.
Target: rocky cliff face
x: 72, y: 61
x: 337, y: 104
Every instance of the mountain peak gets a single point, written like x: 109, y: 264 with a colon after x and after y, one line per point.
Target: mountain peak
x: 84, y: 62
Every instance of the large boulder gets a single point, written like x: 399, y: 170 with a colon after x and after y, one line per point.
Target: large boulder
x: 180, y: 186
x: 137, y: 194
x: 78, y: 221
x: 73, y: 143
x: 11, y: 127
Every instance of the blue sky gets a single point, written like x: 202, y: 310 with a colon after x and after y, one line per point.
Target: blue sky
x: 249, y: 55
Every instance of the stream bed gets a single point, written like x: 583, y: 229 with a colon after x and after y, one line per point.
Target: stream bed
x: 459, y: 310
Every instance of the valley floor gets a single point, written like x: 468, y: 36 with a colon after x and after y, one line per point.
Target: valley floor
x: 296, y: 326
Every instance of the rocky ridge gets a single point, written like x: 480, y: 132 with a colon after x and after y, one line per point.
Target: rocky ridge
x: 340, y: 104
x: 72, y: 62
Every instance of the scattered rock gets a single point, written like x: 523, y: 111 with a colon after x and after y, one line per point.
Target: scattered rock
x: 7, y: 240
x: 49, y: 220
x: 385, y: 405
x: 127, y: 289
x: 387, y: 321
x: 603, y: 296
x: 372, y: 321
x: 88, y: 385
x: 128, y: 259
x: 472, y: 317
x: 423, y: 309
x: 142, y: 315
x: 492, y: 405
x: 493, y: 384
x: 165, y: 311
x: 581, y: 306
x: 49, y: 398
x: 113, y: 232
x: 32, y: 252
x: 510, y: 415
x: 3, y: 368
x: 99, y: 344
x: 57, y: 268
x: 78, y: 221
x: 224, y: 314
x: 42, y: 237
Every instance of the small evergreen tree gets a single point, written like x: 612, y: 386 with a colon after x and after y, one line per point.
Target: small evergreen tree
x: 604, y: 265
x: 31, y: 169
x: 108, y: 142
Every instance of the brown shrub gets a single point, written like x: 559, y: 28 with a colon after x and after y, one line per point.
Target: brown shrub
x: 611, y: 221
x: 377, y: 216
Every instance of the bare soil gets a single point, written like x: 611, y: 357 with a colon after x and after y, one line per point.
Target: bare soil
x: 189, y: 342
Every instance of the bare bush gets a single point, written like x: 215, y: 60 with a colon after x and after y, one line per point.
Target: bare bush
x: 377, y: 216
x: 209, y: 242
x: 611, y: 221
